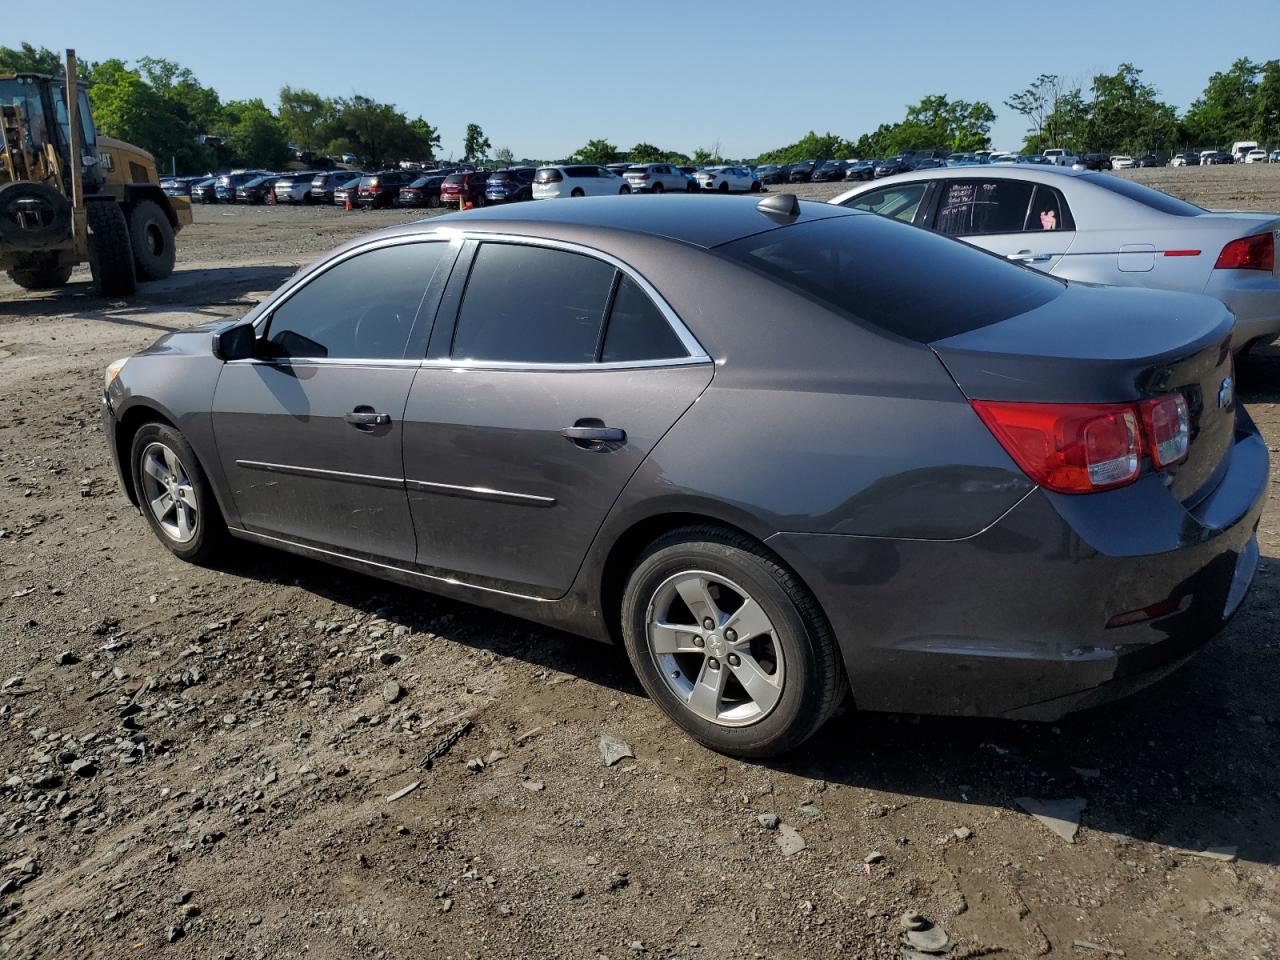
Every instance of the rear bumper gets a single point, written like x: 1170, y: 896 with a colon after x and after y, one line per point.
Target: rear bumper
x: 1013, y: 621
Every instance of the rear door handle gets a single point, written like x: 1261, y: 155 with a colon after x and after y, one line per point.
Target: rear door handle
x: 1026, y: 256
x: 595, y: 434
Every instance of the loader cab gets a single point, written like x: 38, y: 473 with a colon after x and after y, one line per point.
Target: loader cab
x: 42, y: 106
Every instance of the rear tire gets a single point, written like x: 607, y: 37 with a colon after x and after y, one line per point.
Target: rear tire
x: 577, y: 192
x: 624, y: 190
x: 787, y: 631
x: 724, y: 186
x: 160, y: 453
x: 151, y: 234
x: 40, y: 278
x: 658, y: 188
x: 755, y: 186
x: 433, y: 201
x: 110, y: 252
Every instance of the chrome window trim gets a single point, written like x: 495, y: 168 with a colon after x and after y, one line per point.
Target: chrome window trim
x: 447, y: 363
x: 328, y: 362
x: 687, y: 339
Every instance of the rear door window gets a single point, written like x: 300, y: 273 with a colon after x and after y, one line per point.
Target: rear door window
x: 527, y: 304
x: 637, y: 329
x: 899, y: 202
x: 971, y: 207
x: 1049, y: 211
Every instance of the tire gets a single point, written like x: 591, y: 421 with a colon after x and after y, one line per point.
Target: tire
x: 724, y: 186
x: 755, y: 186
x: 206, y: 533
x: 807, y: 683
x: 658, y: 188
x: 151, y: 235
x: 434, y: 201
x: 54, y: 210
x: 577, y: 192
x: 110, y: 252
x: 40, y: 278
x: 626, y: 189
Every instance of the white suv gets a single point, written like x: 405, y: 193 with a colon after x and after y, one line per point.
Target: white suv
x: 576, y: 180
x: 1061, y: 157
x: 658, y: 178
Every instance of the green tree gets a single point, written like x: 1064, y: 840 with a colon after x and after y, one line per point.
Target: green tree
x: 29, y: 59
x: 128, y: 107
x: 379, y: 132
x: 256, y: 138
x: 475, y: 144
x: 504, y: 156
x: 1126, y: 116
x: 646, y: 153
x: 1068, y: 124
x: 304, y: 116
x: 1267, y: 106
x: 429, y: 136
x: 936, y: 121
x: 597, y: 151
x: 1226, y: 111
x: 811, y: 146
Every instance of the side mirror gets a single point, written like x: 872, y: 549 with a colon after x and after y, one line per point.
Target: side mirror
x: 234, y: 343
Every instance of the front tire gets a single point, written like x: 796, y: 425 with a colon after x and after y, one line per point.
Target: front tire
x: 174, y: 494
x: 151, y: 235
x: 658, y: 188
x: 730, y: 643
x: 110, y: 251
x: 41, y: 277
x: 624, y: 191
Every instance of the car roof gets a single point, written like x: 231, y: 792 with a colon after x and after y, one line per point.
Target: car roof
x: 1041, y: 173
x: 690, y: 219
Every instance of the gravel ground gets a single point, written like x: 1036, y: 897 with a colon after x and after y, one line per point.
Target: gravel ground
x: 213, y: 762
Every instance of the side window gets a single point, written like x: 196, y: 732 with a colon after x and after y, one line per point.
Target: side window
x: 637, y: 330
x: 362, y: 308
x: 1049, y: 211
x: 532, y: 305
x: 899, y: 202
x: 971, y: 207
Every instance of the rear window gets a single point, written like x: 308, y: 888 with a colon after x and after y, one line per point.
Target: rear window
x: 1144, y: 195
x: 868, y: 269
x: 456, y: 179
x: 546, y: 175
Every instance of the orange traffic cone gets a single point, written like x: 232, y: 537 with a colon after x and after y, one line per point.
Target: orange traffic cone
x: 468, y: 205
x: 347, y: 205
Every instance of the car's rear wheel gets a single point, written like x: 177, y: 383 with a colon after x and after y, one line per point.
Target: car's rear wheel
x: 724, y: 186
x: 755, y: 186
x: 658, y: 188
x: 577, y: 192
x: 730, y: 643
x: 433, y: 201
x: 625, y: 189
x: 174, y: 493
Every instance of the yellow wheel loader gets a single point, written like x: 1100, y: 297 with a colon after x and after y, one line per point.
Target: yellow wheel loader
x: 68, y: 195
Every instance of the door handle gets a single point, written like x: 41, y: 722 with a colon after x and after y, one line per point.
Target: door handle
x: 1026, y: 256
x: 366, y: 419
x: 594, y: 435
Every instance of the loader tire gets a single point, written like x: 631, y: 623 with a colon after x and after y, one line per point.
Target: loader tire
x: 33, y: 214
x: 110, y: 252
x: 152, y: 237
x: 41, y: 277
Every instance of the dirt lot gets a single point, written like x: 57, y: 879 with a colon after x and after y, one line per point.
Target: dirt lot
x: 200, y: 762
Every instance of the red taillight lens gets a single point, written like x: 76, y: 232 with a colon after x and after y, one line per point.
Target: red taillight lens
x: 1168, y: 427
x: 1249, y: 253
x: 1068, y: 447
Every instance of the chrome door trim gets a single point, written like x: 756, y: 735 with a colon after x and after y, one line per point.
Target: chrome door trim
x: 586, y: 365
x: 341, y: 475
x: 450, y: 581
x: 481, y: 493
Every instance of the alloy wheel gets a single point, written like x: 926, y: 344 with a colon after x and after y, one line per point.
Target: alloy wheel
x: 169, y: 493
x: 715, y: 648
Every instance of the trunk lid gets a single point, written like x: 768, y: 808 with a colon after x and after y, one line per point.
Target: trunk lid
x: 1112, y: 345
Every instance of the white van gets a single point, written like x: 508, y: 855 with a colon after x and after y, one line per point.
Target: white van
x: 1240, y: 149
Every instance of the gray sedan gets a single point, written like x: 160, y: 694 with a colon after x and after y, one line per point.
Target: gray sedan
x: 741, y: 438
x: 1082, y: 225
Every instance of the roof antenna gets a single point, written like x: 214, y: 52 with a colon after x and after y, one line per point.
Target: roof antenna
x: 780, y: 205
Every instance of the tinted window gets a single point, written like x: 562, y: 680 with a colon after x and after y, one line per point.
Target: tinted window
x: 867, y: 268
x: 546, y: 175
x: 456, y: 179
x: 901, y: 201
x: 580, y: 171
x: 1049, y: 211
x: 363, y: 308
x: 637, y: 330
x: 974, y: 206
x: 1143, y: 195
x: 533, y: 305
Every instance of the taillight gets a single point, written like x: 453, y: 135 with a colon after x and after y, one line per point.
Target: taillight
x: 1249, y: 253
x: 1068, y: 447
x: 1168, y: 428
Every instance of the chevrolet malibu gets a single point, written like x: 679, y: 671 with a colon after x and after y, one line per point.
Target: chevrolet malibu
x: 742, y: 438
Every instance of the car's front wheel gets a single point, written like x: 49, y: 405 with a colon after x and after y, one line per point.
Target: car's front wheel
x: 174, y: 493
x: 730, y: 643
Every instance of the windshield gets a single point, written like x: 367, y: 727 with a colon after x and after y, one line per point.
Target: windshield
x: 1144, y: 195
x: 865, y: 267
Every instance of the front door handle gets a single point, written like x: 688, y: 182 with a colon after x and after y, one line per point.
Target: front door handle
x: 1026, y: 256
x: 594, y: 435
x: 365, y: 418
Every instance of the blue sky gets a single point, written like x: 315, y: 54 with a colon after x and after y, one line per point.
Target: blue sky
x: 543, y: 77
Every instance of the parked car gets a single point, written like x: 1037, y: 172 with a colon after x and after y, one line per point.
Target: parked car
x: 1256, y: 156
x: 1121, y: 162
x: 801, y: 172
x: 323, y: 185
x: 382, y: 189
x: 1079, y: 500
x: 1185, y: 160
x: 1060, y: 157
x: 179, y: 186
x: 509, y: 186
x: 1005, y: 157
x: 205, y: 191
x: 1274, y: 157
x: 618, y: 169
x: 1035, y: 160
x: 1147, y: 160
x: 464, y: 186
x: 1096, y: 161
x: 728, y: 179
x: 1080, y: 225
x: 771, y: 173
x: 1241, y: 149
x: 1208, y: 158
x: 861, y: 170
x: 348, y: 191
x: 255, y: 191
x: 294, y: 187
x: 423, y: 192
x: 828, y: 171
x: 577, y: 180
x: 656, y: 178
x: 890, y: 166
x: 227, y: 184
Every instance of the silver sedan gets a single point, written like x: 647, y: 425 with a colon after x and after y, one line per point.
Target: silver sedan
x: 1082, y: 225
